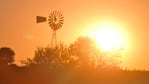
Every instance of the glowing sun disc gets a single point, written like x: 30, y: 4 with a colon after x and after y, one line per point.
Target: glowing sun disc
x: 108, y: 39
x: 108, y: 35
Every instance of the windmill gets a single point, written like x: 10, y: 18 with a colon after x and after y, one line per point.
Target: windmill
x: 55, y: 21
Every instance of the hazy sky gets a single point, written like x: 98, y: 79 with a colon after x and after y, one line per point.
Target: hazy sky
x: 19, y: 30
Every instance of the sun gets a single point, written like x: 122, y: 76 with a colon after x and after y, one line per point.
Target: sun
x: 108, y: 35
x: 108, y: 39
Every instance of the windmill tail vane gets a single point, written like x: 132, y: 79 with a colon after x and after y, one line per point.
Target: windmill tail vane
x: 40, y: 19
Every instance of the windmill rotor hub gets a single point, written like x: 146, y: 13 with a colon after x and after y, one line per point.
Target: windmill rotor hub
x: 56, y: 20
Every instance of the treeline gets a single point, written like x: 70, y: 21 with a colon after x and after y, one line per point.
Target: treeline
x: 82, y: 62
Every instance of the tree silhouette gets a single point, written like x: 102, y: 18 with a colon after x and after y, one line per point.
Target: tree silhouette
x: 6, y: 55
x: 51, y: 63
x: 6, y: 66
x: 57, y: 58
x: 88, y: 54
x: 83, y: 50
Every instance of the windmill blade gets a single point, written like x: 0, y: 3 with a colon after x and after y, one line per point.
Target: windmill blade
x: 40, y: 19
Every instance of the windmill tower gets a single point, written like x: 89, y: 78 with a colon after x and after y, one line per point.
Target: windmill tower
x: 55, y: 21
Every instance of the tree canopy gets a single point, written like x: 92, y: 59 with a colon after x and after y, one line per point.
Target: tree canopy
x: 7, y: 55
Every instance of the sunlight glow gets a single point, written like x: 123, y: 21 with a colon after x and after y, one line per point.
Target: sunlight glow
x: 108, y: 35
x: 108, y: 39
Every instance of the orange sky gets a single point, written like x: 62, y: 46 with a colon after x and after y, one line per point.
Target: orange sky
x: 19, y: 30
